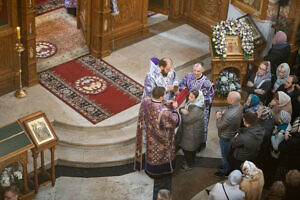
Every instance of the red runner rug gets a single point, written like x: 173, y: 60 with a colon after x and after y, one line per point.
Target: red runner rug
x: 92, y: 87
x: 44, y: 6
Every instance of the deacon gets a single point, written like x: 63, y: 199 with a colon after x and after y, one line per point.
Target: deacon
x: 161, y: 73
x: 159, y: 122
x: 197, y: 81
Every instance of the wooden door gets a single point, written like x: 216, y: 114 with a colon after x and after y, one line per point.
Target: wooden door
x: 203, y: 14
x: 159, y: 6
x: 8, y: 55
x: 84, y: 19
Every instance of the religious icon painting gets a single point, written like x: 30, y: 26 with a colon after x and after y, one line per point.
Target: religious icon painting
x: 233, y: 45
x: 39, y: 128
x: 257, y: 8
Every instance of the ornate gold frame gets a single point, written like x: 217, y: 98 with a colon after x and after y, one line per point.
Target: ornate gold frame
x: 245, y: 5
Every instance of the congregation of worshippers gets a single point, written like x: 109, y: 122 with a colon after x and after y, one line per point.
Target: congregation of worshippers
x: 259, y: 138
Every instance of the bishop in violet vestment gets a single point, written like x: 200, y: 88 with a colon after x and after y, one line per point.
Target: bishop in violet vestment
x: 155, y: 78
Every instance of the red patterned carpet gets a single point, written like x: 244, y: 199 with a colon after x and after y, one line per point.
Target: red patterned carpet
x: 44, y: 6
x: 92, y: 87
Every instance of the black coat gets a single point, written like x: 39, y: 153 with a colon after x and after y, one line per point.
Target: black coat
x: 247, y: 144
x: 290, y: 152
x: 277, y: 56
x: 266, y: 86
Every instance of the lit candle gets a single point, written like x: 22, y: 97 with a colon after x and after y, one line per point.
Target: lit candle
x: 18, y: 33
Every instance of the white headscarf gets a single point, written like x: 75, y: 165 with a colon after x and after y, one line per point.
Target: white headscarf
x: 250, y: 170
x: 199, y: 100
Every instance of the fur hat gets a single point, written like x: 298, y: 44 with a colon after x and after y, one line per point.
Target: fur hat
x: 285, y: 117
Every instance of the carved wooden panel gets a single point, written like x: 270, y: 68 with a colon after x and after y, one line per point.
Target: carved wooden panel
x: 83, y: 18
x: 205, y: 13
x: 131, y: 21
x: 8, y: 64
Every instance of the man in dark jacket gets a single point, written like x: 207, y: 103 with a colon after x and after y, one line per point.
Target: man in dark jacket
x: 246, y: 142
x: 292, y: 90
x: 228, y: 122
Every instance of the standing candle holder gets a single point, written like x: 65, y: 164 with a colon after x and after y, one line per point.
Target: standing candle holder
x: 20, y: 93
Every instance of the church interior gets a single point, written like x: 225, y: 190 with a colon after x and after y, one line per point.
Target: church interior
x: 71, y: 81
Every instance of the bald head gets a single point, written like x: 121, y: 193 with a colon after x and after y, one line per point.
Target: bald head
x: 233, y: 98
x: 198, y: 69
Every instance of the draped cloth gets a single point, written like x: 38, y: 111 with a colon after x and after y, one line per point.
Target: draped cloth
x: 159, y: 123
x: 190, y: 82
x: 114, y: 7
x: 155, y: 78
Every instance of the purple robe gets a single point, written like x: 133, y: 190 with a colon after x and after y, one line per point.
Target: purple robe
x: 190, y: 82
x: 159, y: 123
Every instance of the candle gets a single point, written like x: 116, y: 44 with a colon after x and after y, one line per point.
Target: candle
x: 18, y: 33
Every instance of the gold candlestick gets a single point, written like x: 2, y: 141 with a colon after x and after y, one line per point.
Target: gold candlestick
x: 20, y: 93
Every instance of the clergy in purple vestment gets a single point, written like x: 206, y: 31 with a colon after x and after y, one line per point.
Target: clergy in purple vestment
x: 161, y: 73
x: 197, y: 81
x: 159, y: 122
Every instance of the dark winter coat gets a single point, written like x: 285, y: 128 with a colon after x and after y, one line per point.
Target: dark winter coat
x: 290, y: 152
x: 266, y: 86
x: 192, y: 134
x: 247, y: 144
x: 277, y: 56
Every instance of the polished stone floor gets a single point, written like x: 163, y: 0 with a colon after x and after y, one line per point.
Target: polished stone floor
x: 186, y: 46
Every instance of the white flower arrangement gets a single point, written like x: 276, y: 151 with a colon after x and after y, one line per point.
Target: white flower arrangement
x: 10, y: 176
x: 226, y: 82
x: 232, y: 27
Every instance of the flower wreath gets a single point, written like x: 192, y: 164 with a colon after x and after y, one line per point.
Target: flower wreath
x: 232, y: 27
x: 226, y: 82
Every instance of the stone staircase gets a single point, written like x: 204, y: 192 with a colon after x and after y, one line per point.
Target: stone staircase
x: 95, y: 146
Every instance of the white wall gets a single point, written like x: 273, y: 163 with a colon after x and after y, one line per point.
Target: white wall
x: 263, y: 25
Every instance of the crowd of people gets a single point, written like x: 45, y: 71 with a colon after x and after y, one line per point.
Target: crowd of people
x: 259, y: 137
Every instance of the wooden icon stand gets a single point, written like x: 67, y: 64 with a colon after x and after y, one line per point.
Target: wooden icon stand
x: 235, y: 62
x: 44, y: 137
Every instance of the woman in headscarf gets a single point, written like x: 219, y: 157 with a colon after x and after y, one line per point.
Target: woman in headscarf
x: 282, y: 73
x: 192, y: 128
x: 280, y: 51
x: 260, y: 83
x: 281, y: 101
x: 252, y: 104
x: 253, y: 181
x: 230, y: 189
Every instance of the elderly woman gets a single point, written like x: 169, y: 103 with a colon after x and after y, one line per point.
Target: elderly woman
x: 253, y: 181
x: 260, y: 83
x: 282, y: 73
x: 280, y: 51
x: 192, y: 127
x: 281, y: 101
x: 252, y: 104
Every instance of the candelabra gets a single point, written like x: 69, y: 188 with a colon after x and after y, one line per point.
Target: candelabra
x: 20, y: 93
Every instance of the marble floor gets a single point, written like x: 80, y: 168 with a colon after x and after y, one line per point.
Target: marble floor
x: 186, y: 46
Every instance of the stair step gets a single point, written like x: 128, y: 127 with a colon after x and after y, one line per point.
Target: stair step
x: 93, y: 157
x: 96, y: 137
